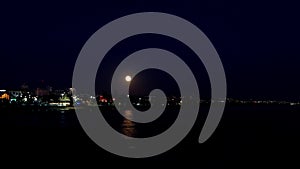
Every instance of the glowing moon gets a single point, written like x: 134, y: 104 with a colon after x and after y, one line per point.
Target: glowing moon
x: 128, y: 78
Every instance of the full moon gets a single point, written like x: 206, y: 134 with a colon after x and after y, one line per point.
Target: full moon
x: 128, y: 78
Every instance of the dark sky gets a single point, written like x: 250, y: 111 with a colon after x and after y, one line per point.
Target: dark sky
x: 258, y: 43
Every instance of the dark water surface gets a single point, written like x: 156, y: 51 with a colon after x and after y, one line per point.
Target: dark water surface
x: 248, y: 136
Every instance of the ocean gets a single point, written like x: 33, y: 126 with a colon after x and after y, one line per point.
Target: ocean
x: 248, y: 136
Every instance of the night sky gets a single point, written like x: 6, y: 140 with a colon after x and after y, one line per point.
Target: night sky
x: 258, y: 43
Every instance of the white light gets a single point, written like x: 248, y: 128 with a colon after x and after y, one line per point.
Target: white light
x: 128, y: 78
x: 2, y: 90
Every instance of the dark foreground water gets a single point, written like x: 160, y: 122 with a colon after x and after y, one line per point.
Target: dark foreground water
x: 251, y: 136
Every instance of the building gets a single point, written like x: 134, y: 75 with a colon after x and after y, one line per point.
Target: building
x: 42, y: 92
x: 4, y: 96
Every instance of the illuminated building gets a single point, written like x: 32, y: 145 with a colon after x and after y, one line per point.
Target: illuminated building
x: 4, y: 96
